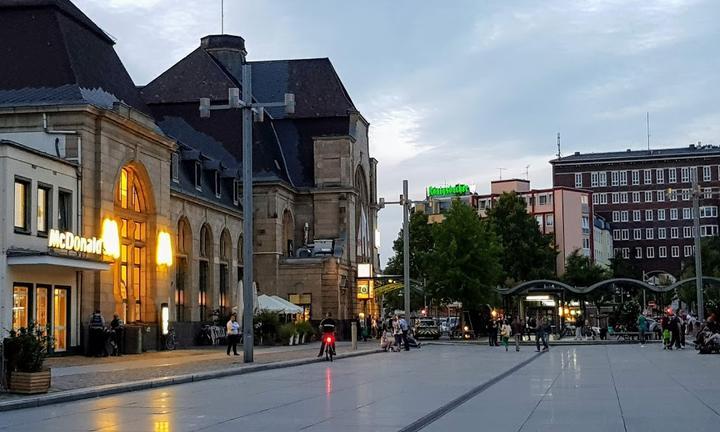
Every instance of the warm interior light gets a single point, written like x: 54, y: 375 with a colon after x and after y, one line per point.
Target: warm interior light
x: 111, y: 238
x: 165, y: 315
x: 537, y: 297
x: 164, y: 249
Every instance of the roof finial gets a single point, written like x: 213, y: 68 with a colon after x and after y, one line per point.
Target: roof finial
x: 222, y: 16
x: 559, y: 155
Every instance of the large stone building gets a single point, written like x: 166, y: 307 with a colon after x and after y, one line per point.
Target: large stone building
x: 646, y: 196
x: 146, y: 171
x: 315, y: 182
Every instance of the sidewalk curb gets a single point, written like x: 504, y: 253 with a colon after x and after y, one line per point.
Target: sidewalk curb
x: 112, y: 389
x: 551, y: 344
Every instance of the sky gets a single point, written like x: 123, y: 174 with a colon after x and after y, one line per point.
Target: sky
x: 456, y: 90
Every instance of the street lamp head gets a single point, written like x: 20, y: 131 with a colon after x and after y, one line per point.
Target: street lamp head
x: 204, y: 107
x: 290, y: 103
x: 234, y: 97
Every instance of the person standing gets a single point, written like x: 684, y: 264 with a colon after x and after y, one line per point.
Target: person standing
x: 396, y: 331
x: 505, y: 331
x: 233, y: 334
x: 579, y: 323
x: 118, y: 333
x: 404, y: 327
x: 492, y: 332
x: 517, y: 328
x: 96, y: 334
x: 540, y: 334
x: 642, y: 325
x: 674, y: 324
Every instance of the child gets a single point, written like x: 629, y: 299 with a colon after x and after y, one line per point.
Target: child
x: 505, y: 331
x: 386, y: 341
x: 666, y: 339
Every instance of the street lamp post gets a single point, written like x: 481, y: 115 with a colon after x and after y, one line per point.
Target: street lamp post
x: 405, y: 202
x: 248, y: 108
x: 698, y: 249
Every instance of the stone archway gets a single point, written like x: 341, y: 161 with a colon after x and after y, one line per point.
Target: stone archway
x: 183, y: 258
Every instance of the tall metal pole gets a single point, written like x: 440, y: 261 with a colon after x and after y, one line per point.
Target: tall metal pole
x: 248, y: 305
x: 406, y: 248
x: 698, y: 250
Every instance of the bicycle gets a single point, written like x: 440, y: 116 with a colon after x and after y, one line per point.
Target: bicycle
x: 329, y: 347
x: 170, y: 341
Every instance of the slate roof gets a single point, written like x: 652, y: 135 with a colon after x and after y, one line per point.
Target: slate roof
x: 283, y: 144
x: 52, y: 54
x: 691, y: 151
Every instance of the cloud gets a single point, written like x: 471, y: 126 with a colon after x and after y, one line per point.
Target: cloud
x: 395, y: 131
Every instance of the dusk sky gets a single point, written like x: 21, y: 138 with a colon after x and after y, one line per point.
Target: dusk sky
x: 456, y: 90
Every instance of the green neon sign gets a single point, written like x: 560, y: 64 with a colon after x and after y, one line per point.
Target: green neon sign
x: 458, y: 189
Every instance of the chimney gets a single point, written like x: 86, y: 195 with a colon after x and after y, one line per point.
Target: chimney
x: 228, y: 50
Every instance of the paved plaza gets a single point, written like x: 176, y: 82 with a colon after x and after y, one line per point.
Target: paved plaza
x: 436, y: 388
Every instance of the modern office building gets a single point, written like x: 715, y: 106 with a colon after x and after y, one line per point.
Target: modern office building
x: 646, y: 196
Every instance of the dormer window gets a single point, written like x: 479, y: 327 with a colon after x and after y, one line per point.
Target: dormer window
x: 175, y: 167
x: 236, y: 192
x: 218, y: 191
x: 198, y: 176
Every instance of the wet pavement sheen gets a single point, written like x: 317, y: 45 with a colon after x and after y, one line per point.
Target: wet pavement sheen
x: 592, y: 388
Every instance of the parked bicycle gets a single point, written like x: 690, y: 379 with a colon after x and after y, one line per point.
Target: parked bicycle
x: 170, y: 340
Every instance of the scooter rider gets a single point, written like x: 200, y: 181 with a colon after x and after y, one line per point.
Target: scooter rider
x: 327, y: 328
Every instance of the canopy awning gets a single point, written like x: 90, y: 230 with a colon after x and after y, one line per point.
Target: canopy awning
x: 58, y: 261
x: 277, y: 304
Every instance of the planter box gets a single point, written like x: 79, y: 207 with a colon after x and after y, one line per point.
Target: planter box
x: 30, y: 382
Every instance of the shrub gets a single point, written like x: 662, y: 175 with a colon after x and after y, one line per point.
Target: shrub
x: 266, y: 326
x: 286, y: 331
x: 27, y: 348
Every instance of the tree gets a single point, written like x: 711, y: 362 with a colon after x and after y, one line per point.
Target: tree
x: 581, y: 271
x: 527, y: 253
x: 420, y: 244
x: 624, y: 268
x: 710, y: 249
x: 464, y: 262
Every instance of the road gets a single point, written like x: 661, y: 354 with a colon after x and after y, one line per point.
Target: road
x: 595, y: 388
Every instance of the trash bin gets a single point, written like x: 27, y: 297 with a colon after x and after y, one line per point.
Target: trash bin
x: 133, y: 339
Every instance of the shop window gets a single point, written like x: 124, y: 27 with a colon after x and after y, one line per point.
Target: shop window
x: 305, y: 302
x: 180, y: 275
x: 42, y: 307
x: 22, y: 206
x: 21, y: 306
x: 43, y: 209
x: 64, y: 210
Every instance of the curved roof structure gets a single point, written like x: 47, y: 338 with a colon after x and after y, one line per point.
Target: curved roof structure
x: 548, y: 284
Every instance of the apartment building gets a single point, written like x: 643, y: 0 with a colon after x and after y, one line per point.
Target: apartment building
x: 646, y: 196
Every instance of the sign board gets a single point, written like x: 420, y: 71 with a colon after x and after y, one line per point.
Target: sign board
x: 458, y: 189
x: 72, y: 242
x: 364, y: 271
x: 365, y: 289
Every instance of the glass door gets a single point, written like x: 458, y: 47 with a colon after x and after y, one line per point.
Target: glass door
x: 42, y: 306
x: 21, y: 306
x: 60, y: 317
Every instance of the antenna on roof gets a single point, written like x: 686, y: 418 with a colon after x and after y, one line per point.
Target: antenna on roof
x: 501, y: 170
x: 222, y: 16
x: 527, y: 172
x: 647, y: 118
x: 559, y: 155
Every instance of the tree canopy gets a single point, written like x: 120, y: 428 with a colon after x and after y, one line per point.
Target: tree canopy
x: 581, y: 271
x: 526, y: 253
x: 464, y: 264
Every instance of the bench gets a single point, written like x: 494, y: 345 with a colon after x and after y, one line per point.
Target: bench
x: 625, y: 336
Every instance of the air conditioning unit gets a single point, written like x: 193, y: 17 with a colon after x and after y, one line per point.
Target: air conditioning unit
x: 323, y: 247
x: 304, y: 252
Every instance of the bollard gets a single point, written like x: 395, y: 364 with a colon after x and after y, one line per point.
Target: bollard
x: 353, y: 335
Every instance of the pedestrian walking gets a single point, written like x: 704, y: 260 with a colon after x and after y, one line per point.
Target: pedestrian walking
x: 233, y: 334
x: 404, y: 328
x: 96, y: 334
x: 517, y: 330
x: 642, y: 326
x: 505, y: 332
x: 675, y: 327
x: 540, y: 334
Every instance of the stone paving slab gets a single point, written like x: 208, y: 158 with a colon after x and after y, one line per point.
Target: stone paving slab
x: 76, y: 377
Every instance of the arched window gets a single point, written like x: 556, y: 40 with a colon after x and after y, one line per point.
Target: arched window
x: 362, y: 223
x: 225, y: 257
x: 288, y: 234
x: 131, y: 209
x: 184, y: 253
x: 206, y: 255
